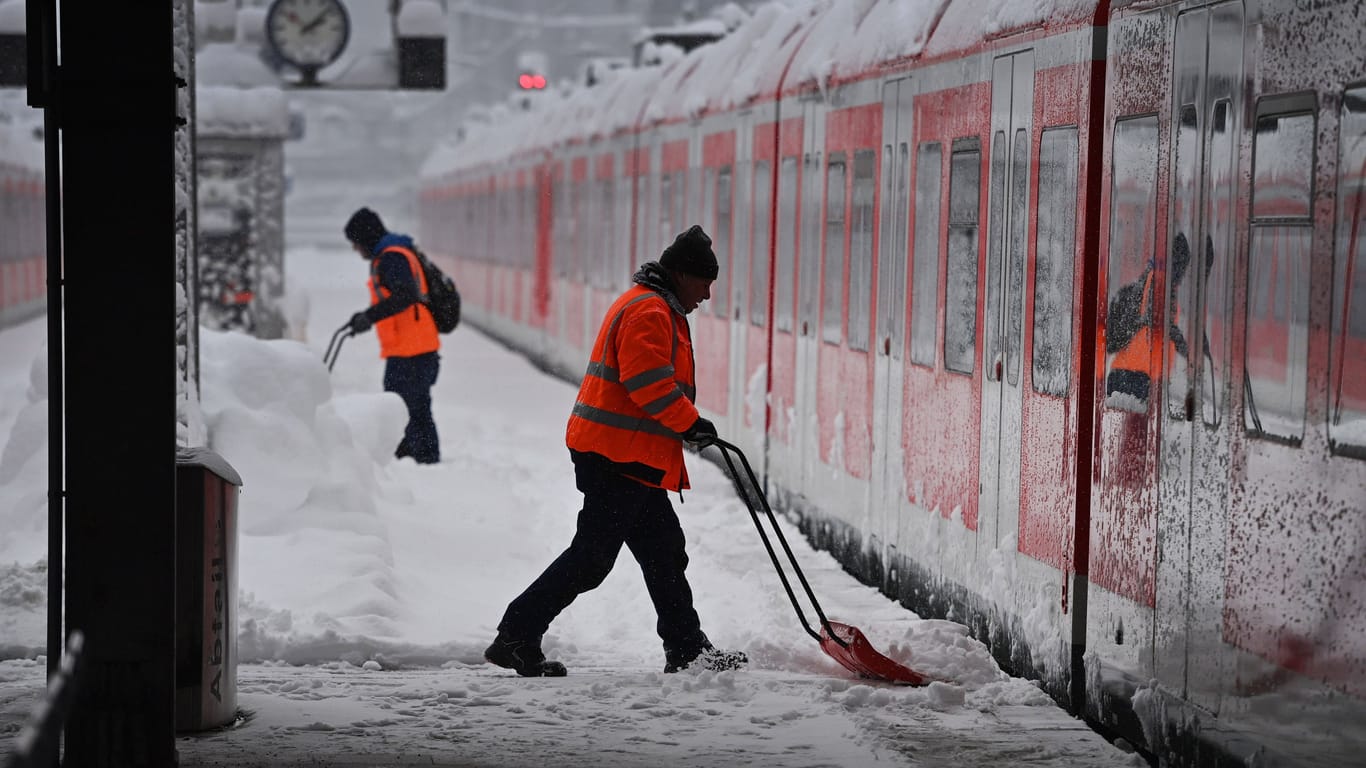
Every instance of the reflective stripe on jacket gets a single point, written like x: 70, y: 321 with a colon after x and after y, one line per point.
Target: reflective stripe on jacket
x: 411, y: 332
x: 637, y: 395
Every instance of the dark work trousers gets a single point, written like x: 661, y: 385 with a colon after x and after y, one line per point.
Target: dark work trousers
x: 616, y: 511
x: 412, y: 379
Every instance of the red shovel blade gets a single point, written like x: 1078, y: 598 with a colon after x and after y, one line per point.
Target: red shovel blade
x: 862, y: 658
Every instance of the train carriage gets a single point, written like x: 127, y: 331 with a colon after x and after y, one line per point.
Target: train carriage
x: 1047, y: 319
x: 23, y: 278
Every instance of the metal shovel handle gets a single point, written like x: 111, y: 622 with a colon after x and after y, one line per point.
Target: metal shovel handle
x: 334, y: 346
x: 727, y: 449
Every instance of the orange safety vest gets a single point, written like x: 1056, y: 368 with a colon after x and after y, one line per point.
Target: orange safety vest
x: 637, y: 396
x: 409, y: 333
x: 1137, y: 354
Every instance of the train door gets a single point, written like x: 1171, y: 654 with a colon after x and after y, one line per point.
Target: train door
x: 806, y: 441
x: 742, y: 223
x: 888, y: 486
x: 1192, y: 515
x: 1012, y: 109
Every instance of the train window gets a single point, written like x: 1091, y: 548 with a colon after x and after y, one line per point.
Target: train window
x: 832, y: 315
x: 666, y: 224
x: 960, y: 284
x: 573, y: 226
x: 721, y: 240
x: 1133, y: 224
x: 1185, y: 201
x: 559, y: 220
x: 809, y: 283
x: 1221, y: 153
x: 742, y: 201
x: 995, y: 222
x: 680, y: 206
x: 900, y: 221
x: 892, y: 259
x: 1347, y: 386
x: 759, y: 265
x: 708, y: 217
x: 786, y: 271
x: 925, y: 269
x: 861, y: 247
x: 1054, y: 252
x: 604, y: 219
x: 1277, y: 339
x: 624, y: 199
x: 1019, y: 216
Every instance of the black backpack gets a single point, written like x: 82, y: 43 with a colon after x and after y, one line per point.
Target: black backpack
x: 443, y: 299
x: 1126, y: 315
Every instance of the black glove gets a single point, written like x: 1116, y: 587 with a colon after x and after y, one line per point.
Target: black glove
x: 702, y: 433
x: 360, y: 323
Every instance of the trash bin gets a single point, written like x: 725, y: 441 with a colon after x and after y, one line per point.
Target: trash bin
x: 206, y: 590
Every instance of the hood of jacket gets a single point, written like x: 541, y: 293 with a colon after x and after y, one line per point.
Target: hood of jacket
x: 390, y: 240
x: 655, y: 277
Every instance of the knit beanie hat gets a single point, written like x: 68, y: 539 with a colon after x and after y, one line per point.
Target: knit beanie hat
x: 691, y: 253
x: 365, y: 229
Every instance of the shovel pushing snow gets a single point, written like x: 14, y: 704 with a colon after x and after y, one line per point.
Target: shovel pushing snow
x: 334, y: 346
x: 842, y: 642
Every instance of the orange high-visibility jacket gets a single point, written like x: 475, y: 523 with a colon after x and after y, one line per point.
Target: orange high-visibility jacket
x: 410, y: 332
x: 637, y: 397
x: 1137, y: 354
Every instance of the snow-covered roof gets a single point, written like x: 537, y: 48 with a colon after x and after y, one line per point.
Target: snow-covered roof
x: 786, y: 45
x: 229, y: 111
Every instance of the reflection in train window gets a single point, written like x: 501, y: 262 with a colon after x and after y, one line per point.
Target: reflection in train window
x: 720, y: 300
x: 925, y: 269
x: 763, y: 212
x: 832, y: 316
x: 1055, y: 249
x: 1277, y: 338
x: 1347, y: 387
x: 861, y: 248
x: 1133, y: 219
x: 785, y: 271
x: 960, y: 289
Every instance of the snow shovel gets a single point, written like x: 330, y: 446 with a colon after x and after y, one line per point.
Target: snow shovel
x: 841, y: 642
x: 334, y: 346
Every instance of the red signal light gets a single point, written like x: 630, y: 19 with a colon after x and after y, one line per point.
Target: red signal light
x: 530, y: 82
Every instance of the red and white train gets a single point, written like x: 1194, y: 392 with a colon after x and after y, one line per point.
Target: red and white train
x: 23, y: 237
x: 923, y: 209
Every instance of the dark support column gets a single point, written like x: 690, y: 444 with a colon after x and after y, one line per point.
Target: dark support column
x: 117, y: 98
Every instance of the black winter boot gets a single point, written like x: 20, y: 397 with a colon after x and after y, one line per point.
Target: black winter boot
x: 705, y: 657
x: 523, y: 656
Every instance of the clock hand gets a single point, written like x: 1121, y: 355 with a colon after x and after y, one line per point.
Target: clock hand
x: 312, y: 25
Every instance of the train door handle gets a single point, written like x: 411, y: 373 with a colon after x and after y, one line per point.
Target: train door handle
x: 1190, y: 406
x: 887, y: 346
x: 996, y: 370
x: 806, y: 330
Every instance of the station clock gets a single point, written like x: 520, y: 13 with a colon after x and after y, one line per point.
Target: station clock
x: 307, y: 34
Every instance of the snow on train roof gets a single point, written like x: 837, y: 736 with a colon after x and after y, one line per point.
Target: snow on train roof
x: 786, y: 44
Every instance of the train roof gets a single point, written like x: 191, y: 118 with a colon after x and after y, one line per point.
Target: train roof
x: 783, y: 48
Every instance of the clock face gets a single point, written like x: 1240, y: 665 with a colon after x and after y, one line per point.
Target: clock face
x: 310, y: 34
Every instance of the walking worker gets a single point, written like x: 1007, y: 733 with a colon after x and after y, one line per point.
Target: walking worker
x: 408, y: 339
x: 625, y: 436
